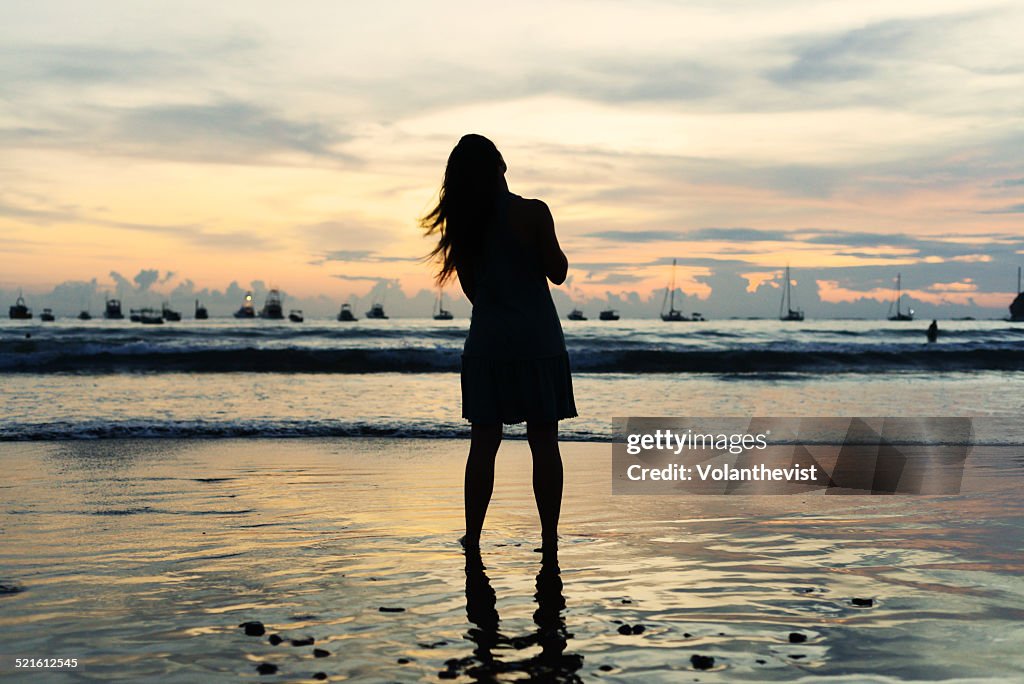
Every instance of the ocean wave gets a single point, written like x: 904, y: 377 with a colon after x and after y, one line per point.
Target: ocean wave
x: 764, y: 359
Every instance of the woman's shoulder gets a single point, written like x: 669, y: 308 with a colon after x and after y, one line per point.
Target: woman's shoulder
x: 532, y: 210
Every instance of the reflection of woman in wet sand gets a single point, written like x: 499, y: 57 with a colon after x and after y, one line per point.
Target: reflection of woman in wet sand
x: 552, y: 664
x: 514, y: 364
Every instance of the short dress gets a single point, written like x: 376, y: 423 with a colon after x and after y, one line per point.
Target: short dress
x: 515, y: 366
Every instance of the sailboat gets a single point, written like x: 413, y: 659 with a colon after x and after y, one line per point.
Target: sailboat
x: 899, y: 315
x: 674, y: 315
x: 1017, y: 305
x: 786, y: 310
x: 442, y: 313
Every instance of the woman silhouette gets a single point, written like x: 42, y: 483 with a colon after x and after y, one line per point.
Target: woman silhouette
x: 514, y: 364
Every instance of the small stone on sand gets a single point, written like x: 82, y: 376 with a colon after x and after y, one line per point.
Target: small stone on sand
x: 308, y: 641
x: 386, y: 609
x: 638, y: 629
x: 797, y: 638
x: 702, y: 662
x: 320, y: 675
x: 275, y: 639
x: 320, y: 653
x: 606, y: 668
x: 625, y: 629
x: 863, y: 602
x: 266, y: 668
x: 403, y: 661
x: 626, y: 601
x: 253, y: 628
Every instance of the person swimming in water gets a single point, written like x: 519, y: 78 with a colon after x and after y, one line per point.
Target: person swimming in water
x: 933, y: 331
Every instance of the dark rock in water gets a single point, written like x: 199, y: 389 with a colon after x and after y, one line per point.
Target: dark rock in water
x: 638, y: 629
x: 626, y: 601
x: 625, y: 629
x: 606, y: 668
x: 863, y: 602
x: 403, y: 661
x: 275, y: 639
x: 797, y: 656
x: 618, y: 622
x: 761, y: 661
x: 253, y: 628
x: 687, y: 635
x: 320, y: 675
x: 308, y: 641
x: 701, y: 662
x: 386, y: 609
x: 797, y: 638
x: 266, y: 668
x: 320, y: 653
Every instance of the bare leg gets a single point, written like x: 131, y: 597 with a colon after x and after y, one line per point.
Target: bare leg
x: 483, y: 447
x: 547, y: 478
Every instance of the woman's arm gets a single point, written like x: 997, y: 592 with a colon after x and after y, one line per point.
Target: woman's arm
x: 466, y: 280
x: 556, y: 266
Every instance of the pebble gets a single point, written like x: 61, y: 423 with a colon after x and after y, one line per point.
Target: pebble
x: 701, y: 662
x: 320, y: 675
x: 638, y: 629
x: 266, y: 668
x: 320, y: 653
x: 275, y: 639
x: 253, y: 628
x: 797, y: 638
x: 863, y: 602
x: 308, y: 641
x: 626, y: 601
x: 760, y: 661
x: 797, y: 656
x: 386, y: 609
x: 606, y: 668
x: 687, y: 635
x: 403, y: 661
x: 625, y: 629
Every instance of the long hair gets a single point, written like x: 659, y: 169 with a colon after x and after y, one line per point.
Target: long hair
x: 465, y: 204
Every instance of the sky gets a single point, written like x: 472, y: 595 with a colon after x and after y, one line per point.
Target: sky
x: 159, y: 149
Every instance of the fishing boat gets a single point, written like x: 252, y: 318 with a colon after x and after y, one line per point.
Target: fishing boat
x: 577, y: 315
x: 441, y: 313
x: 170, y: 314
x: 149, y: 316
x: 346, y: 313
x: 135, y: 315
x: 609, y: 315
x: 272, y: 307
x: 47, y: 315
x: 1017, y: 306
x: 201, y: 313
x: 377, y: 311
x: 900, y: 315
x: 295, y: 316
x: 674, y: 315
x: 84, y: 315
x: 786, y: 310
x: 20, y: 312
x: 112, y: 310
x: 246, y: 310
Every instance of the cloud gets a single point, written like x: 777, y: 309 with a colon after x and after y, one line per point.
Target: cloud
x: 364, y: 255
x: 1011, y: 209
x: 146, y: 277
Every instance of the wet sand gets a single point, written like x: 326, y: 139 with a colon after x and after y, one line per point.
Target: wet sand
x: 143, y: 558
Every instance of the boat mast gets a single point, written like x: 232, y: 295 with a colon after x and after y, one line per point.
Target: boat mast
x: 672, y: 301
x: 788, y: 296
x: 899, y: 293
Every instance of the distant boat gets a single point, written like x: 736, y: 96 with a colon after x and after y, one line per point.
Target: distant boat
x: 377, y: 311
x: 674, y: 315
x: 169, y: 314
x: 47, y: 315
x: 899, y: 315
x: 1017, y: 306
x: 346, y: 313
x: 442, y: 314
x: 609, y: 315
x: 135, y: 315
x: 577, y: 315
x: 272, y: 307
x: 697, y: 316
x: 246, y: 310
x: 20, y: 312
x: 201, y: 313
x: 150, y: 317
x: 84, y: 315
x: 786, y: 310
x: 295, y: 316
x: 112, y: 311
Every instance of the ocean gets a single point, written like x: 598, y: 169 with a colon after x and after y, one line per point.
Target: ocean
x: 399, y: 378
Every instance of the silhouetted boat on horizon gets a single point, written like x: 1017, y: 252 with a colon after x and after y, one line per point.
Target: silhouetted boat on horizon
x: 272, y: 307
x: 201, y: 313
x: 149, y: 316
x: 1017, y: 306
x: 786, y: 310
x: 899, y: 315
x: 169, y: 314
x: 84, y: 315
x: 47, y: 315
x: 577, y: 315
x: 346, y: 313
x: 377, y: 311
x: 609, y: 315
x: 112, y: 310
x: 295, y: 316
x: 18, y: 310
x: 442, y: 314
x: 674, y: 315
x: 246, y: 310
